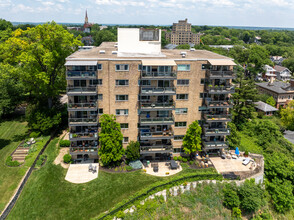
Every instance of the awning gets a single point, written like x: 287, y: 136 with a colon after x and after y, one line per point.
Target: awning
x: 222, y: 62
x: 158, y: 62
x: 81, y: 63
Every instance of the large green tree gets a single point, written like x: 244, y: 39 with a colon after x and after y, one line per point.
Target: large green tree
x: 110, y: 138
x: 287, y: 116
x: 271, y: 101
x: 289, y: 63
x: 40, y: 52
x: 133, y: 151
x: 192, y: 139
x: 103, y: 36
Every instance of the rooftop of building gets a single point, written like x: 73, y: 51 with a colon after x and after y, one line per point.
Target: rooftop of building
x: 265, y: 107
x: 280, y: 68
x: 277, y: 87
x: 106, y: 51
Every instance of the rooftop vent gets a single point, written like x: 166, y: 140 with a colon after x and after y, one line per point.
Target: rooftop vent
x: 102, y: 51
x: 192, y: 49
x: 114, y: 52
x: 184, y: 54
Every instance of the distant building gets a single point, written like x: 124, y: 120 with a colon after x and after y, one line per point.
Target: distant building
x: 283, y: 73
x: 87, y: 26
x: 277, y: 59
x: 227, y: 47
x: 102, y: 27
x: 74, y: 28
x: 282, y: 92
x: 257, y: 40
x: 182, y: 34
x: 265, y: 108
x: 269, y: 72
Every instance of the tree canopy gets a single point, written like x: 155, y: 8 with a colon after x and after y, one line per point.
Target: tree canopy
x: 192, y: 139
x: 287, y: 116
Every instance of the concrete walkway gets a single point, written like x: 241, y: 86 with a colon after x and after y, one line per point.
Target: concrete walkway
x: 79, y: 173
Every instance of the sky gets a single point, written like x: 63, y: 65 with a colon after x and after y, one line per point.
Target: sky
x: 258, y: 13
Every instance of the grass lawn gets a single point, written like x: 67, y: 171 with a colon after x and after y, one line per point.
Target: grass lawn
x: 11, y: 134
x: 48, y: 196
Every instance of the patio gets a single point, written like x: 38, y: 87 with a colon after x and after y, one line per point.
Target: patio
x: 164, y: 168
x: 231, y: 165
x: 79, y: 173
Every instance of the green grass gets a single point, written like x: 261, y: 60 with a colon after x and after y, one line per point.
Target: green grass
x: 48, y: 196
x: 247, y: 143
x: 11, y: 134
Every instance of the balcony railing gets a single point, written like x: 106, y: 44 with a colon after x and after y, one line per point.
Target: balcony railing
x: 220, y: 89
x: 215, y: 74
x: 210, y: 145
x: 74, y: 90
x: 158, y: 90
x: 147, y: 135
x: 217, y: 117
x: 83, y: 120
x: 159, y: 75
x: 157, y: 105
x: 81, y: 74
x: 77, y: 106
x: 83, y: 150
x: 83, y: 136
x: 216, y: 131
x: 157, y: 120
x: 218, y: 104
x: 156, y: 149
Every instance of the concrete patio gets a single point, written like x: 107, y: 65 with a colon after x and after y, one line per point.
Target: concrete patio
x: 79, y: 173
x: 163, y: 169
x: 230, y: 165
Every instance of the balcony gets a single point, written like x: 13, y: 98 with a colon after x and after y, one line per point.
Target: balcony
x: 217, y: 117
x: 157, y: 120
x: 212, y: 145
x: 82, y: 106
x: 156, y: 149
x: 208, y: 132
x: 72, y: 91
x: 80, y: 75
x: 83, y: 136
x: 218, y: 104
x: 220, y: 89
x: 83, y: 150
x: 158, y: 91
x: 145, y: 134
x: 158, y: 75
x: 219, y: 74
x: 156, y: 106
x: 83, y: 121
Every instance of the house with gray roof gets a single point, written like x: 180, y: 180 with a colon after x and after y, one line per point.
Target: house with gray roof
x: 283, y: 73
x: 265, y: 108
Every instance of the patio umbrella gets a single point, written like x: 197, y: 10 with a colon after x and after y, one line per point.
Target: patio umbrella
x: 237, y: 151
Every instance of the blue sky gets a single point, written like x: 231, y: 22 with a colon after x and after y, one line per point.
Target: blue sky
x: 265, y: 13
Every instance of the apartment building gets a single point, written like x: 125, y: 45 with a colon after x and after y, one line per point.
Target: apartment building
x: 182, y: 34
x: 155, y: 94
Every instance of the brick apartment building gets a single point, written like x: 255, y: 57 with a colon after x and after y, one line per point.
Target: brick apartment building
x: 182, y: 34
x: 155, y: 94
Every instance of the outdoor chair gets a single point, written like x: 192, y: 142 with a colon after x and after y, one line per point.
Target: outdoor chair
x: 90, y: 167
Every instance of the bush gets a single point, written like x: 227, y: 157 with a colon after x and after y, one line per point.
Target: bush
x: 67, y: 158
x: 35, y: 134
x: 133, y: 151
x: 129, y: 168
x: 32, y: 149
x: 237, y: 213
x: 64, y: 143
x: 11, y: 163
x: 175, y: 158
x: 191, y: 162
x: 180, y: 158
x: 40, y: 160
x: 184, y: 159
x: 246, y: 153
x: 231, y: 198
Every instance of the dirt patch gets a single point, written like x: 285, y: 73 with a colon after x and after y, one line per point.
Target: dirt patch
x: 62, y: 152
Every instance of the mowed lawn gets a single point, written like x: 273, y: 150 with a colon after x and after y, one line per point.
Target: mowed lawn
x: 48, y: 196
x: 11, y: 134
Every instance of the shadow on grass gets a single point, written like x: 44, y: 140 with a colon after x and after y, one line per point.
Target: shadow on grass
x: 4, y: 143
x: 19, y: 137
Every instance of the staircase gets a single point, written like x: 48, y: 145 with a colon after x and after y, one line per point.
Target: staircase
x: 20, y: 154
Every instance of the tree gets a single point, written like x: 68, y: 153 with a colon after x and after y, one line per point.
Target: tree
x: 40, y: 52
x: 231, y: 198
x: 271, y: 101
x: 287, y: 116
x: 289, y: 63
x: 110, y: 138
x: 192, y: 139
x: 184, y: 46
x: 234, y: 137
x: 133, y: 151
x: 4, y: 25
x: 103, y: 36
x: 259, y: 56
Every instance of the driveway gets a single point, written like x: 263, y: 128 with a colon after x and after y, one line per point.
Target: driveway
x: 79, y: 173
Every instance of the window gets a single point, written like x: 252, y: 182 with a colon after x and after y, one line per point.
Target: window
x: 100, y: 96
x: 178, y: 137
x: 203, y: 81
x: 204, y: 95
x: 182, y: 82
x: 202, y: 108
x: 100, y: 111
x: 183, y: 67
x: 124, y: 125
x: 204, y: 66
x: 181, y: 124
x: 99, y: 66
x: 122, y: 67
x: 122, y: 111
x: 181, y: 110
x: 139, y: 67
x: 121, y: 82
x: 126, y: 140
x: 122, y: 97
x: 99, y: 82
x: 182, y: 96
x: 178, y: 150
x: 144, y: 82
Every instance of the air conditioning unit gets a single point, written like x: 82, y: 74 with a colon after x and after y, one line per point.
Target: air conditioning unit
x: 102, y: 51
x: 114, y: 52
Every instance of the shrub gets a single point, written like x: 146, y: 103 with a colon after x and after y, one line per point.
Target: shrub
x: 237, y: 213
x: 231, y: 198
x: 64, y: 143
x: 67, y: 158
x: 35, y: 134
x: 129, y: 168
x: 133, y: 151
x: 175, y: 158
x: 120, y: 214
x: 246, y: 153
x: 191, y: 162
x: 11, y: 163
x: 184, y: 159
x: 40, y: 160
x: 32, y: 149
x: 180, y: 158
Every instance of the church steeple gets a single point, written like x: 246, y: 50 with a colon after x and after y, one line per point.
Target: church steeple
x: 86, y: 18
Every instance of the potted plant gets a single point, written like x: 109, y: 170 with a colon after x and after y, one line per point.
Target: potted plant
x: 246, y: 154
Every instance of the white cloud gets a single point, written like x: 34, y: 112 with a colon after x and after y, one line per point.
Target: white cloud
x: 5, y: 3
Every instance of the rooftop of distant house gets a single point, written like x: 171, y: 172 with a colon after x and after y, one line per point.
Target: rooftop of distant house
x: 280, y: 68
x: 265, y: 107
x: 277, y: 87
